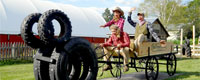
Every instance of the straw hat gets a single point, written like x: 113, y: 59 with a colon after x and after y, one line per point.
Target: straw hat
x: 120, y: 10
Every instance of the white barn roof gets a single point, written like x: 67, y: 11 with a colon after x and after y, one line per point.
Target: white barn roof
x: 85, y: 21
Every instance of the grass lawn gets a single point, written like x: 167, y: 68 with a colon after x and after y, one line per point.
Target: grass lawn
x: 188, y: 68
x: 17, y: 72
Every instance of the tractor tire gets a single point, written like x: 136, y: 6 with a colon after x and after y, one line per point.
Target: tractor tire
x: 41, y: 68
x: 46, y: 28
x: 62, y: 69
x: 81, y: 48
x: 27, y: 33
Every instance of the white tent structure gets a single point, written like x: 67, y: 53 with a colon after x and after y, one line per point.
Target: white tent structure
x: 85, y: 21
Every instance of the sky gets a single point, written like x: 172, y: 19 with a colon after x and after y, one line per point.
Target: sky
x: 101, y: 5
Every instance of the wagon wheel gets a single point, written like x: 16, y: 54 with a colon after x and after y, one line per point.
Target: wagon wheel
x: 100, y: 69
x: 140, y: 63
x: 171, y: 65
x: 152, y: 68
x: 100, y: 54
x: 117, y: 67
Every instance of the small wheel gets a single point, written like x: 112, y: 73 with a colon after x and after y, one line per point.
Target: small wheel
x: 117, y: 68
x: 100, y: 54
x: 152, y: 68
x: 140, y: 63
x: 171, y: 65
x: 100, y: 69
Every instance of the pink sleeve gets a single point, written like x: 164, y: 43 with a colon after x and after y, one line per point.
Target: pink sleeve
x: 121, y: 24
x: 109, y: 23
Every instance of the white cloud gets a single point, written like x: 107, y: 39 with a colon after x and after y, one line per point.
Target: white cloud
x: 99, y: 10
x: 128, y: 2
x: 119, y: 1
x: 137, y: 1
x: 71, y: 0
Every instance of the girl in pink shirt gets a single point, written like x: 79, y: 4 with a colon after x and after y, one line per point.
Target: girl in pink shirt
x: 117, y: 19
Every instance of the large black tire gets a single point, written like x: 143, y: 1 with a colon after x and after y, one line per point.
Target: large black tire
x: 81, y: 48
x: 63, y: 69
x: 46, y: 29
x: 41, y: 68
x: 54, y: 72
x: 27, y: 33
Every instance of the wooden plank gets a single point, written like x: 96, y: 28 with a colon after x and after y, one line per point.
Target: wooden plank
x: 155, y: 48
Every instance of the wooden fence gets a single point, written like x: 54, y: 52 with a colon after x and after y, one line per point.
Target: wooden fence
x: 196, y: 49
x: 16, y: 50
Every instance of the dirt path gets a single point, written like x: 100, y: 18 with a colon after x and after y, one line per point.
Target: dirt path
x: 140, y: 76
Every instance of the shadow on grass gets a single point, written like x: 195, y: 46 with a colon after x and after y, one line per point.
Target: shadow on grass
x: 179, y: 59
x: 15, y: 61
x: 184, y: 75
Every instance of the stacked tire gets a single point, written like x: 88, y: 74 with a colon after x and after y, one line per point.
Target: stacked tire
x: 62, y: 57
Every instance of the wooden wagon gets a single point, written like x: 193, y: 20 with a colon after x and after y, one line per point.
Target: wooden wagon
x: 147, y: 55
x: 146, y: 59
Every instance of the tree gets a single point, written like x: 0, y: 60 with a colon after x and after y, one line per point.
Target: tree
x: 193, y: 11
x: 163, y: 9
x: 107, y: 15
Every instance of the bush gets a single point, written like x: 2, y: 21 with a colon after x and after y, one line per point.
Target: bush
x: 178, y: 41
x: 14, y: 61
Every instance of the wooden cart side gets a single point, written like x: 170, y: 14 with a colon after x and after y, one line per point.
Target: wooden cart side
x: 155, y: 48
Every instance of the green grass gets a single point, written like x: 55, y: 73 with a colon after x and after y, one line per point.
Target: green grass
x: 189, y: 69
x: 17, y: 72
x: 178, y: 41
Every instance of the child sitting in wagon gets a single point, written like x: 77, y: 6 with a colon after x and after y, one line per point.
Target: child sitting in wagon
x: 120, y: 40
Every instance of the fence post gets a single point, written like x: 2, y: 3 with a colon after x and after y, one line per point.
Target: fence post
x: 20, y: 50
x: 13, y: 50
x: 181, y: 42
x: 193, y: 39
x: 6, y: 51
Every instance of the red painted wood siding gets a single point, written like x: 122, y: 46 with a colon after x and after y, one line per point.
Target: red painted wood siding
x: 17, y: 38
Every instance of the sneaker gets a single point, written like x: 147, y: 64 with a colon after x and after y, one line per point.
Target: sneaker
x: 126, y: 68
x: 107, y: 67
